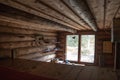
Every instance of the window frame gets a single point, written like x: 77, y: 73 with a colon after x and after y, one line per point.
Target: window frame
x: 79, y: 47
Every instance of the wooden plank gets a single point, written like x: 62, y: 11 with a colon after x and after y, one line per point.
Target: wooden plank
x: 28, y: 50
x: 97, y: 9
x: 14, y: 38
x: 21, y: 31
x: 106, y: 74
x: 59, y: 6
x: 49, y: 11
x: 32, y: 11
x: 30, y: 56
x: 39, y: 56
x: 50, y: 38
x: 85, y: 74
x: 111, y: 9
x: 26, y: 25
x: 17, y: 38
x: 94, y: 75
x: 12, y: 45
x: 116, y: 28
x: 118, y: 14
x: 23, y: 20
x: 60, y: 71
x: 73, y: 74
x: 5, y: 53
x: 81, y: 8
x: 45, y: 57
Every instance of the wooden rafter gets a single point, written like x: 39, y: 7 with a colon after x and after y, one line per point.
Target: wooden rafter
x: 26, y: 20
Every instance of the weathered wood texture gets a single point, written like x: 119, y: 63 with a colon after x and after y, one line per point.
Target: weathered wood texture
x: 16, y: 45
x: 61, y: 45
x: 45, y: 57
x: 108, y: 59
x: 116, y: 30
x: 22, y: 31
x: 61, y: 71
x: 25, y: 46
x: 104, y: 11
x: 25, y: 20
x: 41, y: 8
x: 33, y: 11
x: 81, y: 8
x: 28, y: 50
x: 49, y: 11
x: 5, y: 53
x: 101, y: 36
x: 59, y: 6
x: 117, y: 57
x: 17, y: 42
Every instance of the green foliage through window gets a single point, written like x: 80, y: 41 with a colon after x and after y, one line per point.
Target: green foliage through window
x: 72, y: 40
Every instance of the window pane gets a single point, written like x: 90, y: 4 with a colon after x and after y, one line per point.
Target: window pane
x: 87, y: 48
x: 72, y: 47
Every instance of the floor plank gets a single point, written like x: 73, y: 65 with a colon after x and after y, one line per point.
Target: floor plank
x: 61, y: 71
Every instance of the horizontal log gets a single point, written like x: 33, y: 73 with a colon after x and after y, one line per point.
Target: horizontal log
x: 12, y: 30
x: 59, y: 6
x: 51, y: 47
x: 31, y: 10
x: 11, y: 45
x: 40, y: 56
x: 5, y: 53
x: 31, y: 56
x: 48, y: 10
x: 81, y: 8
x: 46, y: 57
x: 33, y: 26
x: 50, y: 38
x: 29, y: 21
x: 103, y: 37
x: 14, y: 38
x: 28, y: 50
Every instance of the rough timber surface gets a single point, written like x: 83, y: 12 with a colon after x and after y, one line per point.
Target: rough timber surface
x: 60, y: 71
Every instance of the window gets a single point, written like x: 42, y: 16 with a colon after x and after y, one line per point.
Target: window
x: 87, y: 48
x: 72, y: 47
x: 83, y: 52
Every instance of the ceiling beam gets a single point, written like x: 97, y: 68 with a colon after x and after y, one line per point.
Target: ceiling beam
x: 82, y: 9
x: 28, y: 21
x: 112, y: 6
x: 63, y: 9
x: 29, y: 9
x: 47, y: 10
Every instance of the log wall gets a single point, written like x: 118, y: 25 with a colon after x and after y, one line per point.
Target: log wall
x: 106, y: 60
x: 22, y: 43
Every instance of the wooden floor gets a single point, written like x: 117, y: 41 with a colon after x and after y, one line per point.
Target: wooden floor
x: 61, y: 71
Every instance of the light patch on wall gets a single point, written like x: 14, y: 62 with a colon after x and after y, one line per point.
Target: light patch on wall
x: 107, y: 47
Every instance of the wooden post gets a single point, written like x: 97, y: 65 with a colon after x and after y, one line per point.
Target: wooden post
x: 115, y: 58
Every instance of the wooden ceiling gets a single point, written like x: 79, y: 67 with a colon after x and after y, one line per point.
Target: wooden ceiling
x: 64, y: 15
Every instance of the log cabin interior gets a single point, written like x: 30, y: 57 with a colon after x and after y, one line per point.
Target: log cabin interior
x: 59, y: 39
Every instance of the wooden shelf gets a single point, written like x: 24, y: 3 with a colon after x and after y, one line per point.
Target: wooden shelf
x: 60, y: 50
